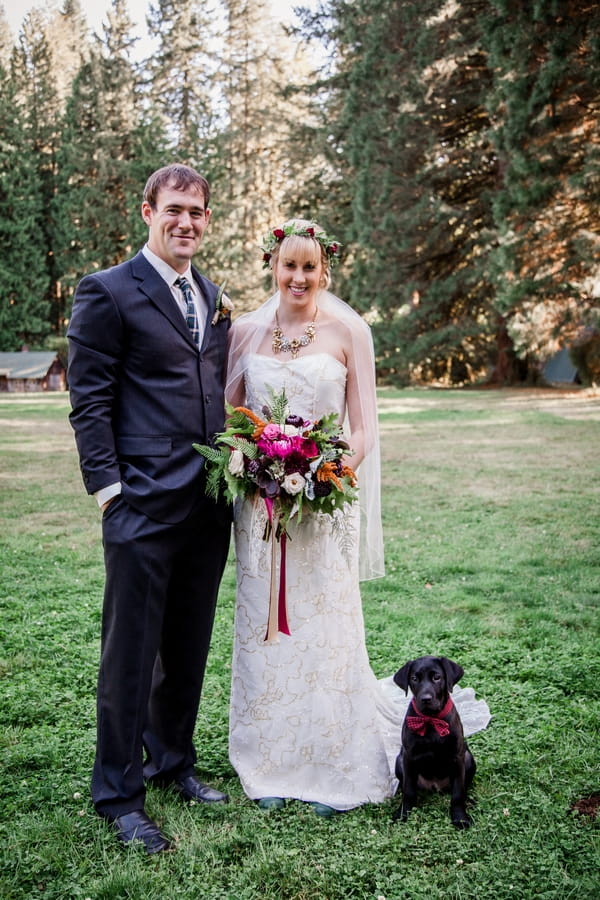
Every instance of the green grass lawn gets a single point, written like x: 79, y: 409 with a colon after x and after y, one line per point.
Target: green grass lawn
x: 492, y: 529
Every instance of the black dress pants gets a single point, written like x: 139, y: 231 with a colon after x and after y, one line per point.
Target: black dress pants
x: 161, y: 589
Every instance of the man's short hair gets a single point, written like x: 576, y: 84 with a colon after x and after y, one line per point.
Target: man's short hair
x: 176, y: 176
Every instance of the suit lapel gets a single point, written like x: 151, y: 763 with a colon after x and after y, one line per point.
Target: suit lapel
x: 159, y: 293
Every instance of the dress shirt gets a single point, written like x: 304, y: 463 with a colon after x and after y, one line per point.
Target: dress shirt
x: 170, y: 276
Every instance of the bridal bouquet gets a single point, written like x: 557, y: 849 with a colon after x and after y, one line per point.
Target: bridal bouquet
x: 293, y: 463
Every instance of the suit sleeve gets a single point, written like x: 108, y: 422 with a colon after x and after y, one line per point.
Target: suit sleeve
x: 95, y: 336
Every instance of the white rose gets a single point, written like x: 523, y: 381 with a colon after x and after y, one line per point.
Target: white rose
x: 236, y: 463
x: 293, y: 484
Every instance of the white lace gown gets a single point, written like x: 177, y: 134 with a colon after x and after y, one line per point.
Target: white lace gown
x: 309, y: 719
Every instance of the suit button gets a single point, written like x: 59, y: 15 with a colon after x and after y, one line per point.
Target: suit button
x: 207, y: 398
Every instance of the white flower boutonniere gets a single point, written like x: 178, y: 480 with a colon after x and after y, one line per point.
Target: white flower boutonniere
x: 223, y: 305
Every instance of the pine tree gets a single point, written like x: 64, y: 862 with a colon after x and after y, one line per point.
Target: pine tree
x: 6, y: 41
x: 407, y: 123
x: 103, y: 159
x: 255, y: 178
x: 546, y: 57
x: 67, y: 35
x: 24, y: 281
x: 34, y: 73
x: 182, y: 72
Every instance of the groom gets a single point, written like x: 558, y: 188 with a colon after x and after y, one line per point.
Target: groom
x: 146, y: 370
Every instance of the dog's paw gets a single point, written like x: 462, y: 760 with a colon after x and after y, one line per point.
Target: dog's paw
x: 461, y: 819
x: 401, y: 814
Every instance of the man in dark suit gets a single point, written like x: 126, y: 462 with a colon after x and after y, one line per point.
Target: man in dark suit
x: 145, y: 385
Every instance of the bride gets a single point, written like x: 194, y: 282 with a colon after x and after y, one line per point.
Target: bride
x: 308, y: 719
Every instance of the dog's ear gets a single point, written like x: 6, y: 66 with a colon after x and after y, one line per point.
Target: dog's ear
x: 402, y: 675
x: 452, y: 671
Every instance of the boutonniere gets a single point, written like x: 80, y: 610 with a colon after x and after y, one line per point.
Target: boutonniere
x: 223, y: 305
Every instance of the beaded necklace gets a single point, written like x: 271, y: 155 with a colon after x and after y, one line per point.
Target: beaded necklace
x: 282, y: 344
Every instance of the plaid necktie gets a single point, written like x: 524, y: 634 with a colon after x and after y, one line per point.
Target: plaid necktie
x: 190, y: 316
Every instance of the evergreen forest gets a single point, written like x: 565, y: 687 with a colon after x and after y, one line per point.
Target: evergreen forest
x: 452, y: 146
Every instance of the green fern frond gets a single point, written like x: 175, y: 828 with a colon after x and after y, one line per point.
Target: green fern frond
x: 213, y: 482
x: 247, y: 447
x: 279, y: 407
x: 210, y: 453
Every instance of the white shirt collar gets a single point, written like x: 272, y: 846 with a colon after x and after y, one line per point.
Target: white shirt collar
x: 165, y: 270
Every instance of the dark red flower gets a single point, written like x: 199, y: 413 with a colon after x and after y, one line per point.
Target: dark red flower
x: 310, y: 231
x: 296, y: 462
x: 279, y: 233
x: 296, y: 421
x: 322, y: 488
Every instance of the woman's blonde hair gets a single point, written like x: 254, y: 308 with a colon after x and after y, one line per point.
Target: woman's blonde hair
x: 300, y: 236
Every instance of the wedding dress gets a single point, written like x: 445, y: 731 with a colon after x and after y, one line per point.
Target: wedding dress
x: 309, y: 719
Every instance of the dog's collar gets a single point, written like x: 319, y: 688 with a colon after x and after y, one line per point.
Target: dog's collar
x: 420, y: 721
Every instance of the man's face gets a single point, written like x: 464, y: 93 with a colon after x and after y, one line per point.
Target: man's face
x: 177, y: 225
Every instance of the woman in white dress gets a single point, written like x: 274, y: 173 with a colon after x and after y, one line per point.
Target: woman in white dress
x: 309, y: 720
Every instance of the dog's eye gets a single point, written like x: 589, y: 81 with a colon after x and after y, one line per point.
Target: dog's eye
x: 436, y: 676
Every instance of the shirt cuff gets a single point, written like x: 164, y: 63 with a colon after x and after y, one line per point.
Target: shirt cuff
x: 107, y: 493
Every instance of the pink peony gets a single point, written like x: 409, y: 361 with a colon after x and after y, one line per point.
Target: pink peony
x: 274, y: 443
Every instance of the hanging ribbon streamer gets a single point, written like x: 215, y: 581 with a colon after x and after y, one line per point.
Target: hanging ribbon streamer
x: 277, y: 622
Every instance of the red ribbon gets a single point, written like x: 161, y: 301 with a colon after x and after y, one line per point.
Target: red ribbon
x: 277, y: 622
x: 420, y: 722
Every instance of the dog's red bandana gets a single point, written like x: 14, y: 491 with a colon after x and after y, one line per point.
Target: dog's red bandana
x: 420, y: 721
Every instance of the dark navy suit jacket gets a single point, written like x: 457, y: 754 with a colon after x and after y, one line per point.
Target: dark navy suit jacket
x: 141, y: 391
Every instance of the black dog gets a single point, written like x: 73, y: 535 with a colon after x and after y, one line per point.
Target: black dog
x: 433, y: 753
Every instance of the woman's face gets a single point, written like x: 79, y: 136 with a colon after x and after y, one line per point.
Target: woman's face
x: 299, y: 273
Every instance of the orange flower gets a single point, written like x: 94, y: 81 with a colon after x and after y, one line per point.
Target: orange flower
x: 250, y: 415
x: 260, y: 424
x: 326, y: 473
x: 349, y: 473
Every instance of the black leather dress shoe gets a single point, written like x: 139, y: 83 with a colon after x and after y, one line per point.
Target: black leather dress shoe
x: 191, y: 788
x: 137, y: 826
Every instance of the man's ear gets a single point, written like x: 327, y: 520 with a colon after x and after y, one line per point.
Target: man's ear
x: 146, y: 211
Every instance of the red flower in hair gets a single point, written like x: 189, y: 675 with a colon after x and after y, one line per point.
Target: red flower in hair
x: 276, y: 235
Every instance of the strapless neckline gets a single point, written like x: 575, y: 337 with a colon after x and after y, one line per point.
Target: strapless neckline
x: 299, y: 359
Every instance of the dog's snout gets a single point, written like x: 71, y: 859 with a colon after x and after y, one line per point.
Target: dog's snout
x: 428, y: 701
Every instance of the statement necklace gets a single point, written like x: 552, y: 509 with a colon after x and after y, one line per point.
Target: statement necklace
x: 281, y: 344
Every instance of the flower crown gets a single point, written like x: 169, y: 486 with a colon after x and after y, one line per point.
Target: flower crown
x: 276, y: 236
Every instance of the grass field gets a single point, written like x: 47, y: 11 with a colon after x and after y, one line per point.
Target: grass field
x: 492, y: 528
